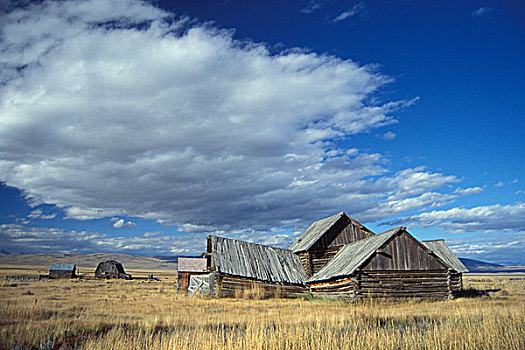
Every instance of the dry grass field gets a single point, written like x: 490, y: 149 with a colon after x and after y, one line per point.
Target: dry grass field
x: 140, y: 314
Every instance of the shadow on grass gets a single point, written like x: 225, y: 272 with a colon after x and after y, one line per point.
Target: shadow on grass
x: 475, y: 293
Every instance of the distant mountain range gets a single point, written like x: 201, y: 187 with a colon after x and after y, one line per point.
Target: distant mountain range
x: 481, y: 266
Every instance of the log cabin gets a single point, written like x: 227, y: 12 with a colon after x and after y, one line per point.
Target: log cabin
x: 238, y: 266
x: 390, y: 265
x: 323, y: 239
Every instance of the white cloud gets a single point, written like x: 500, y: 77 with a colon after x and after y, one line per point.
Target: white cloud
x: 490, y: 218
x: 467, y: 191
x: 356, y: 10
x: 481, y: 12
x: 499, y: 184
x: 120, y: 223
x: 389, y: 135
x: 180, y: 123
x: 19, y: 238
x: 39, y: 214
x: 500, y: 248
x: 313, y: 5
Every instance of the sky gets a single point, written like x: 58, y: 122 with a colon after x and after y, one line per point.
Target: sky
x: 141, y: 127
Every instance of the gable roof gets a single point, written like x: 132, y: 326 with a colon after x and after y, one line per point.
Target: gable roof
x: 443, y: 252
x: 62, y: 267
x: 317, y: 230
x: 353, y: 255
x: 256, y: 261
x: 191, y: 265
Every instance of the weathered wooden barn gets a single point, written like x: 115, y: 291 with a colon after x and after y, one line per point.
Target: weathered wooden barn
x: 63, y: 271
x: 392, y: 264
x: 111, y: 269
x: 456, y: 267
x: 187, y: 267
x: 323, y: 239
x: 238, y: 266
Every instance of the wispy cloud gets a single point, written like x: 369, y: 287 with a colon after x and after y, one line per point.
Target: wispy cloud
x: 481, y: 12
x: 356, y: 10
x: 313, y: 5
x: 388, y: 136
x: 490, y: 218
x: 468, y: 191
x: 39, y: 214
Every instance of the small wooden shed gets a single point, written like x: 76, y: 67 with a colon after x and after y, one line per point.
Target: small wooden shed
x: 111, y: 269
x: 187, y: 267
x: 323, y: 239
x: 239, y: 266
x: 63, y: 271
x: 456, y: 267
x: 392, y: 264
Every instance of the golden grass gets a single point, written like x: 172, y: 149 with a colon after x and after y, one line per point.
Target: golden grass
x: 116, y: 314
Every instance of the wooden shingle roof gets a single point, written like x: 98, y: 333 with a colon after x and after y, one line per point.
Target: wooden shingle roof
x: 443, y: 252
x: 256, y: 261
x: 318, y: 229
x: 353, y: 255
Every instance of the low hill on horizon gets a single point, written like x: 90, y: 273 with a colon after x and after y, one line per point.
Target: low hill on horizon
x: 482, y: 266
x: 88, y: 260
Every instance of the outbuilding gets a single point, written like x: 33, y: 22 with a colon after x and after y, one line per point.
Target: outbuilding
x: 111, y: 269
x: 390, y: 265
x: 238, y: 266
x: 63, y: 271
x: 187, y: 267
x: 323, y: 239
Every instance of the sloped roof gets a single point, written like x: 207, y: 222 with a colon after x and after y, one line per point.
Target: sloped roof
x: 62, y: 267
x: 191, y: 265
x: 256, y: 261
x: 317, y: 230
x: 443, y: 252
x: 353, y: 255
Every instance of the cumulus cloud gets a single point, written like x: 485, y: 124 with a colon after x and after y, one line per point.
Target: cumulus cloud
x: 467, y: 191
x: 490, y: 218
x: 117, y: 108
x: 121, y: 223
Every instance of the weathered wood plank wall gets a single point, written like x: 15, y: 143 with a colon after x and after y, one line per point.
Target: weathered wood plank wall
x: 404, y: 253
x: 228, y: 285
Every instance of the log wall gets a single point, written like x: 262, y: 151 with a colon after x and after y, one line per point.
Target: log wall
x: 313, y: 261
x: 427, y: 285
x: 431, y: 284
x: 343, y: 288
x: 228, y: 286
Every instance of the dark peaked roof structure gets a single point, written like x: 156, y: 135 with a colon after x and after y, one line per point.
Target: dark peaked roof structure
x: 320, y: 228
x: 256, y: 261
x: 443, y: 252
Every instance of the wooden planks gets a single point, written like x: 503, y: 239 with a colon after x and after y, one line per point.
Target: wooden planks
x: 255, y: 261
x: 228, y: 285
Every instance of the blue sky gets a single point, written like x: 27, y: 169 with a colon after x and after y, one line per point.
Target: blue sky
x: 141, y: 127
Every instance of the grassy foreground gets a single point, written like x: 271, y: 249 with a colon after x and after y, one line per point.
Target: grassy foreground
x: 92, y: 314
